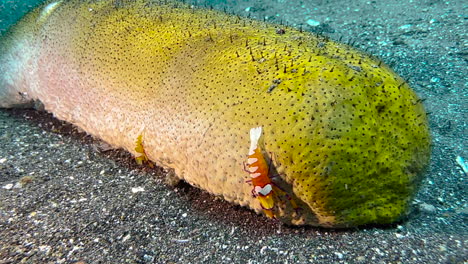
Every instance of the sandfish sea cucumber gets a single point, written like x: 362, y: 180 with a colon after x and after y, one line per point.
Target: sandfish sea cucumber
x: 347, y: 137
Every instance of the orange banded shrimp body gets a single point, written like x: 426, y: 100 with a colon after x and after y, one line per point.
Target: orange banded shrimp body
x: 264, y: 189
x: 258, y: 169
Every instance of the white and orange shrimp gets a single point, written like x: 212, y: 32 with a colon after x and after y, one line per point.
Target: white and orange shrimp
x: 265, y: 190
x: 259, y: 170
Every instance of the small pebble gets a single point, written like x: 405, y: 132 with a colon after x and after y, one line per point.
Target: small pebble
x: 312, y: 23
x: 137, y: 189
x: 405, y: 27
x: 125, y: 238
x: 427, y: 207
x: 442, y: 248
x: 8, y: 186
x: 339, y: 255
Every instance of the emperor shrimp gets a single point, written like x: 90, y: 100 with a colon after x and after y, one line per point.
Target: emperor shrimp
x: 259, y: 170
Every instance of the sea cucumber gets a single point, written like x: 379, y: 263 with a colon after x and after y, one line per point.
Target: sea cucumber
x: 347, y: 137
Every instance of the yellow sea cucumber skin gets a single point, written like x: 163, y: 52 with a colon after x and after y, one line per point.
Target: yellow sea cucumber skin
x: 347, y: 136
